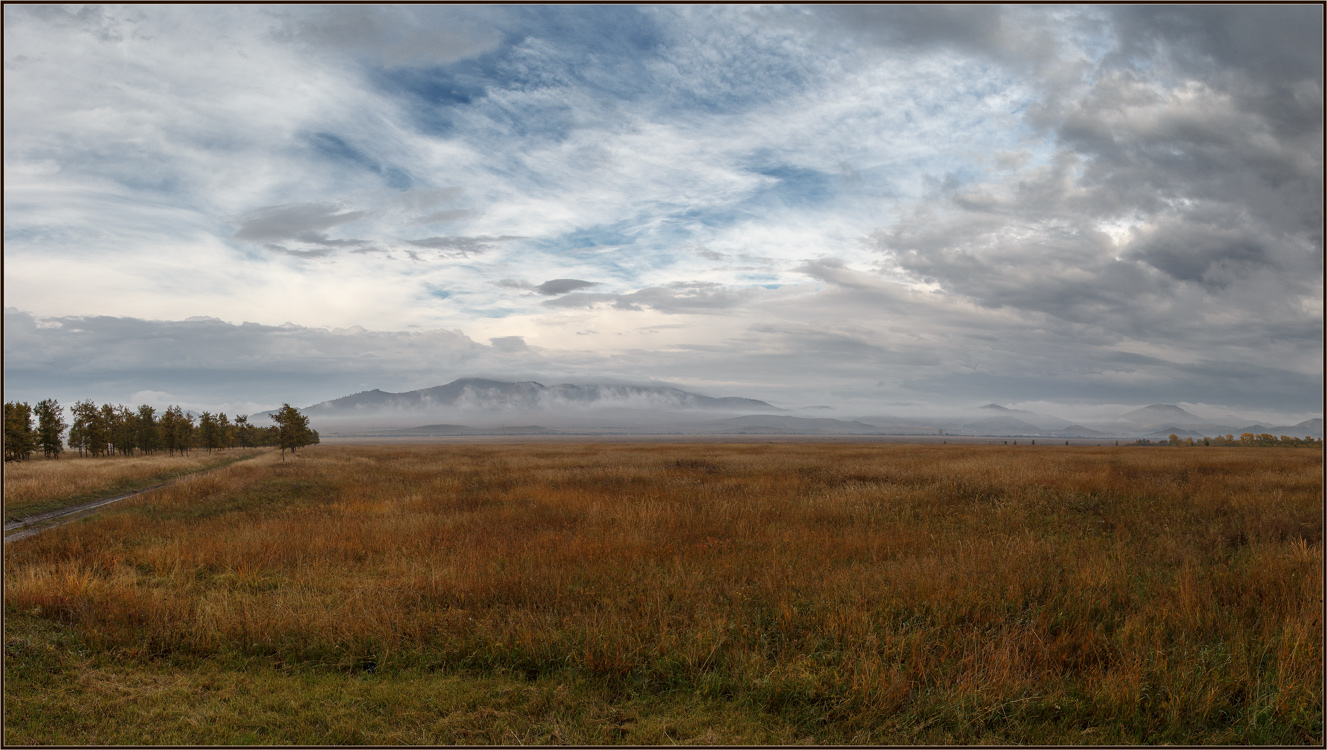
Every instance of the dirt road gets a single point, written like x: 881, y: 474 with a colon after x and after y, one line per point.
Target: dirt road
x: 35, y: 524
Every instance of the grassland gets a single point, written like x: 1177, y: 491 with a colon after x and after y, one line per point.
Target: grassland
x: 39, y: 485
x: 718, y: 593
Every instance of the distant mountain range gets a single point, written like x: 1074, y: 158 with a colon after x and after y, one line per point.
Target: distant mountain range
x: 477, y: 406
x: 1163, y: 420
x: 481, y: 394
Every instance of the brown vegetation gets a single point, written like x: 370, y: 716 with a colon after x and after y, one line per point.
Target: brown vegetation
x: 848, y: 593
x: 37, y: 485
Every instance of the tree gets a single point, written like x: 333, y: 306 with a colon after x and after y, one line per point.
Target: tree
x: 124, y: 430
x: 244, y: 431
x: 50, y: 427
x: 188, y: 436
x: 148, y: 437
x: 107, y: 422
x: 88, y: 431
x: 176, y: 430
x: 209, y: 432
x: 292, y: 430
x: 20, y: 438
x: 227, y: 431
x: 77, y: 430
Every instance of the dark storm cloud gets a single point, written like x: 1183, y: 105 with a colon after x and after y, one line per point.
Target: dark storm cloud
x: 1274, y: 43
x: 1206, y: 253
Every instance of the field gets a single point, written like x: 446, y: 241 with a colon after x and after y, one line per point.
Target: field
x: 657, y: 593
x: 39, y: 484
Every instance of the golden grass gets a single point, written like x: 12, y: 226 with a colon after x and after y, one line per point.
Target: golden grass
x: 40, y: 484
x: 845, y: 593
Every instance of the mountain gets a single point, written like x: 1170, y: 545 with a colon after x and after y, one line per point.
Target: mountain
x: 1036, y: 419
x: 481, y: 394
x: 1311, y: 427
x: 1159, y: 415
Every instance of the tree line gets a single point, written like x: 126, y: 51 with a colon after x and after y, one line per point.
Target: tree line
x: 119, y: 431
x: 1245, y: 440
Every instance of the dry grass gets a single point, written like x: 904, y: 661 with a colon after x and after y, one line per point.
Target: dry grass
x: 836, y: 593
x: 40, y: 484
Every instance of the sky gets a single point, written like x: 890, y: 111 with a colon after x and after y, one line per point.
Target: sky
x: 875, y: 208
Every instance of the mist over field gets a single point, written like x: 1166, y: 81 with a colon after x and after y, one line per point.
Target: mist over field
x: 477, y: 406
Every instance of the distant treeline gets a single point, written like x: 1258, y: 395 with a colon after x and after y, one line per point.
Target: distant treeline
x: 117, y: 430
x: 1245, y: 440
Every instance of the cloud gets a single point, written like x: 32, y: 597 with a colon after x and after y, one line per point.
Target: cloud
x: 677, y: 298
x: 1274, y: 44
x: 301, y: 221
x: 336, y: 149
x: 508, y: 343
x: 316, y: 253
x: 461, y: 246
x: 562, y: 286
x: 994, y: 31
x: 396, y: 36
x: 446, y: 215
x: 1202, y: 250
x: 109, y: 358
x: 955, y: 197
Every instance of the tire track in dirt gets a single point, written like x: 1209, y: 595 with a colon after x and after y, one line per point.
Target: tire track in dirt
x: 32, y: 525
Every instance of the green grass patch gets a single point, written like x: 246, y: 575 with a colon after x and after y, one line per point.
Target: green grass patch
x: 104, y: 700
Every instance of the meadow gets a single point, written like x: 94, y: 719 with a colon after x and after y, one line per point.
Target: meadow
x: 39, y: 484
x: 656, y: 593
